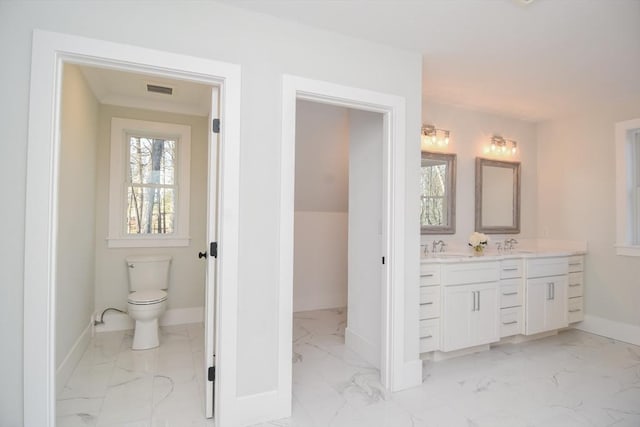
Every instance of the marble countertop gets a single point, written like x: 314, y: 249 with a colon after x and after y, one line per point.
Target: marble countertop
x: 454, y: 256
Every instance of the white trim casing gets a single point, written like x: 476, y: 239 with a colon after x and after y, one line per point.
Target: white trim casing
x: 396, y: 373
x: 624, y: 179
x: 120, y: 129
x: 50, y: 52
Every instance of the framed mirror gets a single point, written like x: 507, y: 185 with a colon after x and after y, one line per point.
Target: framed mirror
x: 438, y: 193
x: 497, y: 196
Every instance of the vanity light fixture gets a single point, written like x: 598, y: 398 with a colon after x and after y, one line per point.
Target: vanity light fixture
x: 430, y: 135
x: 501, y: 146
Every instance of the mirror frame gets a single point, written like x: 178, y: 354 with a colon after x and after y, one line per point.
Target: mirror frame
x: 514, y: 228
x: 450, y: 228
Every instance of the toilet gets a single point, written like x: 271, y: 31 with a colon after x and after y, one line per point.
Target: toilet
x: 148, y: 281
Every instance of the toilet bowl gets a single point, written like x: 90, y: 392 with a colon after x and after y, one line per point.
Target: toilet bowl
x: 146, y: 307
x: 147, y: 301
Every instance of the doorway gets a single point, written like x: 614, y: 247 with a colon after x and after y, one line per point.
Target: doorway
x: 337, y: 282
x: 395, y: 373
x: 51, y: 52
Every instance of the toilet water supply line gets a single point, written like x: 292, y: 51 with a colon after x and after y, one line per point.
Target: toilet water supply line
x: 101, y: 321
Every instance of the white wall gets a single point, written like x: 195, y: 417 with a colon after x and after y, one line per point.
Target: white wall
x: 266, y: 48
x: 76, y: 210
x: 320, y: 260
x: 577, y: 202
x: 471, y: 131
x: 187, y: 273
x: 363, y: 333
x: 321, y: 206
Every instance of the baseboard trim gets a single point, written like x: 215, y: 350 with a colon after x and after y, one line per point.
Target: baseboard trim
x: 411, y: 376
x: 114, y: 321
x: 362, y: 347
x: 611, y: 329
x: 64, y: 371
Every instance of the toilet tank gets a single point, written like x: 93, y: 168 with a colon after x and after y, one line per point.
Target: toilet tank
x: 148, y: 272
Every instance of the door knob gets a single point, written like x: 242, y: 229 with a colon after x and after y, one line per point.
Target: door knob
x: 202, y: 254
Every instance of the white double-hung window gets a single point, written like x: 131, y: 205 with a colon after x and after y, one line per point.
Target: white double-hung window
x: 149, y: 184
x: 628, y: 188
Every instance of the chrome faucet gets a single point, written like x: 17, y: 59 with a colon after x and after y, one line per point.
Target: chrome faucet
x: 509, y: 243
x: 440, y: 243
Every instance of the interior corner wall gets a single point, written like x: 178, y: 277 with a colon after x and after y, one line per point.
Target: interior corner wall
x: 76, y: 211
x: 577, y: 202
x: 266, y: 48
x: 364, y: 319
x: 187, y: 272
x: 321, y: 206
x: 471, y: 132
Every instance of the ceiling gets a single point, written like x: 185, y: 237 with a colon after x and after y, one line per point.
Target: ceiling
x: 129, y: 89
x: 532, y: 60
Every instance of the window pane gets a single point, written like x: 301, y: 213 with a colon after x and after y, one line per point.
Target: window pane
x: 152, y: 160
x: 433, y: 185
x: 150, y: 210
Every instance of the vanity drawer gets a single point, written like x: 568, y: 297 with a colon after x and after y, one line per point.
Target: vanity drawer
x: 429, y: 335
x: 576, y: 281
x: 473, y: 272
x: 576, y: 263
x: 429, y: 274
x: 576, y: 309
x: 511, y: 292
x: 429, y: 302
x: 511, y: 321
x: 545, y: 267
x: 510, y: 268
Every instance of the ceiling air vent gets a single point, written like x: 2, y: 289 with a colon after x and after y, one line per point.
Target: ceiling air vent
x: 165, y: 90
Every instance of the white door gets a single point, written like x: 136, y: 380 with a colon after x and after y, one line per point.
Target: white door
x: 557, y: 305
x: 537, y: 295
x: 211, y: 272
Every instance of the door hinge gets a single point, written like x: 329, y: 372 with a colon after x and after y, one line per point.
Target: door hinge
x: 211, y: 374
x: 215, y: 127
x: 213, y: 249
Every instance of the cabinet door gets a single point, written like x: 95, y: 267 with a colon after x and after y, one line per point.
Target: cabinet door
x: 546, y: 304
x: 537, y: 293
x: 458, y: 306
x: 557, y: 310
x: 470, y: 315
x: 484, y: 320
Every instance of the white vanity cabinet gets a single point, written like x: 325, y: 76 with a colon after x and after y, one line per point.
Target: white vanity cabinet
x: 429, y: 307
x: 575, y: 291
x: 470, y: 304
x: 546, y: 294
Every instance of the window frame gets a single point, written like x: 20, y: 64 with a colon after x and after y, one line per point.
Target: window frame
x: 627, y: 182
x: 121, y: 130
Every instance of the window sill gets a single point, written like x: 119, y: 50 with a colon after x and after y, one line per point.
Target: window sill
x: 627, y: 250
x: 147, y: 242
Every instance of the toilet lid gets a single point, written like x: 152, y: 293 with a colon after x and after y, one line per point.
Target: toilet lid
x: 147, y: 297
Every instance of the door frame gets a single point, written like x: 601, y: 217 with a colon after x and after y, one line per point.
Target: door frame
x: 393, y: 372
x: 50, y: 51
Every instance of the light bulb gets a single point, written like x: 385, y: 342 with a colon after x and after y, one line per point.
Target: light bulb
x: 493, y: 147
x: 446, y: 140
x: 504, y: 148
x: 433, y: 138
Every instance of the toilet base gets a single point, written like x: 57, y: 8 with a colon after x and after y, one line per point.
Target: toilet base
x: 145, y: 335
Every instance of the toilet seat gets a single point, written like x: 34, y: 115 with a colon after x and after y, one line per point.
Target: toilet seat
x: 147, y: 297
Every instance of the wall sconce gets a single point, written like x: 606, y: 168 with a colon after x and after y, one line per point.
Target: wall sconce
x: 501, y: 146
x: 432, y: 136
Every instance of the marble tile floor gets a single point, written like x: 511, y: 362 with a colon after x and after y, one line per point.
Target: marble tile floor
x: 571, y: 379
x: 115, y: 386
